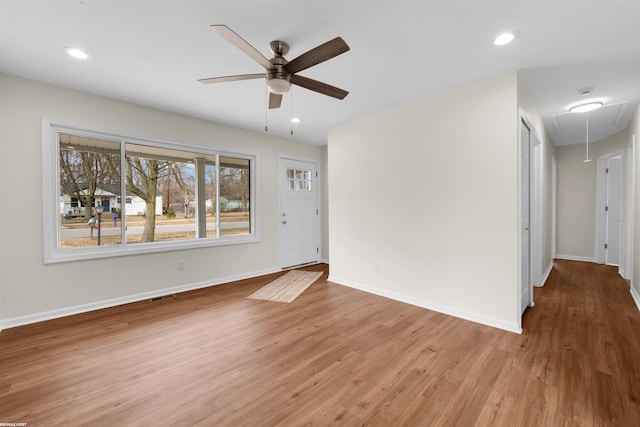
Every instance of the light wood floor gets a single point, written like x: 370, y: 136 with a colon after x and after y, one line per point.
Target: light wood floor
x: 334, y: 356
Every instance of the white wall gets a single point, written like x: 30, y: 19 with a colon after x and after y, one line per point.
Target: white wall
x: 576, y: 213
x: 30, y: 290
x: 423, y: 202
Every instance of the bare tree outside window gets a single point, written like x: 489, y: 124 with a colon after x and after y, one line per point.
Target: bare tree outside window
x: 89, y: 177
x: 84, y: 165
x: 148, y: 173
x: 211, y: 179
x: 142, y: 180
x: 235, y: 193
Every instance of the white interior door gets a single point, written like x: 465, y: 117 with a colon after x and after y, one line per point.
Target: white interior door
x: 298, y: 217
x: 613, y: 213
x: 525, y: 240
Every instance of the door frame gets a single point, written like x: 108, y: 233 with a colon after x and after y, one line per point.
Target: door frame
x: 521, y: 199
x: 554, y: 206
x: 601, y: 200
x: 628, y: 214
x: 281, y: 181
x: 535, y: 210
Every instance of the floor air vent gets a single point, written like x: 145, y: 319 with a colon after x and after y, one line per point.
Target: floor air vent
x: 162, y: 298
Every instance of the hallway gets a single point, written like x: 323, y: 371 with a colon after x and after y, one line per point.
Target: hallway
x: 586, y: 329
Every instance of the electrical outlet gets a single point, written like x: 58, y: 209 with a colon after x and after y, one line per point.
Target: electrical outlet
x: 180, y: 264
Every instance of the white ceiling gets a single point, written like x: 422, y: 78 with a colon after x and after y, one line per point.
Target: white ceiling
x: 153, y: 53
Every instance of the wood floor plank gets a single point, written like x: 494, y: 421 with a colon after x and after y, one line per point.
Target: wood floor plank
x: 334, y: 356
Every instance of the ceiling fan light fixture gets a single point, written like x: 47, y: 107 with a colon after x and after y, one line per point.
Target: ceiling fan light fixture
x: 278, y: 86
x: 586, y: 107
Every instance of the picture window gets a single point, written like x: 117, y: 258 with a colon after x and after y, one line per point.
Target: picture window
x: 175, y: 195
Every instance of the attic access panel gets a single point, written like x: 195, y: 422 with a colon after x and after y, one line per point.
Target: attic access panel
x: 602, y: 123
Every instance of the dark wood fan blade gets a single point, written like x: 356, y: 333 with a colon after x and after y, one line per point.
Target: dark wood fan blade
x: 243, y: 45
x: 274, y: 100
x: 317, y: 55
x: 233, y: 78
x: 319, y: 87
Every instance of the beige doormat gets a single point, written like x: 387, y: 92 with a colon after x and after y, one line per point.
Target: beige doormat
x: 288, y: 287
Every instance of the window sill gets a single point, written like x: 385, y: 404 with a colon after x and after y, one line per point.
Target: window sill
x: 98, y: 252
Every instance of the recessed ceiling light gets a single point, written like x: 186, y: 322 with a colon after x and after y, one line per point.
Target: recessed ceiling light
x: 587, y: 106
x: 76, y: 53
x: 505, y: 38
x: 295, y: 120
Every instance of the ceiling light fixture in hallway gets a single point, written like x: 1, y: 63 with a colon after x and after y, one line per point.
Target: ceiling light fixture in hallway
x: 585, y: 108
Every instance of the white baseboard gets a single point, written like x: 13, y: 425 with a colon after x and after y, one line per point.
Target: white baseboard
x: 68, y: 311
x: 623, y: 273
x: 546, y: 274
x: 451, y: 311
x: 635, y: 296
x: 575, y: 258
x: 324, y: 260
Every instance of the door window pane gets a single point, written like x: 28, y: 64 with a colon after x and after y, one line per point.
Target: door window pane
x: 298, y: 180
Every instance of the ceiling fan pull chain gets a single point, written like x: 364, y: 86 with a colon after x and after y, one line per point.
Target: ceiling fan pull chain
x: 291, y: 110
x: 587, y: 159
x: 587, y: 144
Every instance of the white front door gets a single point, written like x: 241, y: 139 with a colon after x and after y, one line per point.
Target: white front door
x: 525, y: 191
x: 613, y: 211
x: 298, y: 216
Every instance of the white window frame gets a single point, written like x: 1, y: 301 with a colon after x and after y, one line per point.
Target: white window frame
x: 51, y: 201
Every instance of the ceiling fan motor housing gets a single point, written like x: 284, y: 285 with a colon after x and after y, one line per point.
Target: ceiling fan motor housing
x: 278, y: 80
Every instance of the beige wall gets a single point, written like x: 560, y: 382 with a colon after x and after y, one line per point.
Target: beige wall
x: 576, y: 211
x: 423, y: 202
x: 29, y: 288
